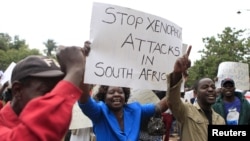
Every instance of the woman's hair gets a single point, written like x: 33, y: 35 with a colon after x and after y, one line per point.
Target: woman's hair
x: 103, y: 89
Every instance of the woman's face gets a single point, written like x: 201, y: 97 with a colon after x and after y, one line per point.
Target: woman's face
x: 115, y: 98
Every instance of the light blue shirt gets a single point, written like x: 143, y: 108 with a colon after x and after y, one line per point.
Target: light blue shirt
x: 105, y: 124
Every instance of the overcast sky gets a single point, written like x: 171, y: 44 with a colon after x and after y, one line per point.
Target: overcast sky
x: 67, y: 22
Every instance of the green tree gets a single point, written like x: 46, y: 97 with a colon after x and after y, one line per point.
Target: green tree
x: 231, y: 45
x: 5, y: 40
x: 14, y: 55
x: 13, y: 51
x: 17, y: 43
x: 50, y: 47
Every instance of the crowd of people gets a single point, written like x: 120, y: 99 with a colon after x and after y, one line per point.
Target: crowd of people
x: 42, y: 91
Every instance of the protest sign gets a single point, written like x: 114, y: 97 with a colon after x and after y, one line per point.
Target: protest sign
x: 7, y: 74
x: 143, y: 96
x: 239, y: 72
x: 131, y: 48
x: 79, y: 120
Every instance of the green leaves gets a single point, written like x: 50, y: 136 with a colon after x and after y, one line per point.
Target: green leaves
x: 13, y: 50
x: 230, y: 45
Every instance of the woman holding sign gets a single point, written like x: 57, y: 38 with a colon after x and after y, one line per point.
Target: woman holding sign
x: 113, y: 118
x: 116, y: 120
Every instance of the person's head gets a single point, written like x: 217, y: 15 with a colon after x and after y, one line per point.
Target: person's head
x: 114, y: 97
x: 227, y: 87
x: 7, y: 96
x: 32, y: 77
x: 205, y: 90
x: 218, y: 91
x: 182, y: 94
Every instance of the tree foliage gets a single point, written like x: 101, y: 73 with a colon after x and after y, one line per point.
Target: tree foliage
x: 13, y: 50
x: 50, y: 47
x: 5, y: 40
x: 231, y: 45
